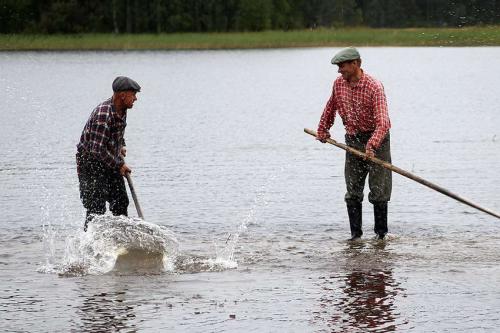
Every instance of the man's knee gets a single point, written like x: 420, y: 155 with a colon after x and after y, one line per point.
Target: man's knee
x: 379, y: 195
x: 119, y: 205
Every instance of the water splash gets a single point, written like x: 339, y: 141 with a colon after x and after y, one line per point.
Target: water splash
x: 225, y: 253
x: 117, y: 243
x: 110, y: 239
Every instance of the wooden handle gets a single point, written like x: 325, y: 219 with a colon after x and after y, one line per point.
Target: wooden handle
x: 134, y: 196
x: 406, y: 174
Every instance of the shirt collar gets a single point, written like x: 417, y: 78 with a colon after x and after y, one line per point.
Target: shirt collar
x: 114, y: 113
x: 360, y: 83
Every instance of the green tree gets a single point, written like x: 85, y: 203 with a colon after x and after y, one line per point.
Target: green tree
x: 254, y: 15
x: 346, y: 13
x: 63, y: 17
x: 18, y: 16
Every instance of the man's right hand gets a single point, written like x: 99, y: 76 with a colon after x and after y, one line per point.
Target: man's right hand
x: 322, y: 136
x: 124, y: 170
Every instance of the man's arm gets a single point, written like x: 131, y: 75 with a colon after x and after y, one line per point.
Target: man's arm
x: 382, y: 122
x: 327, y: 119
x: 99, y: 135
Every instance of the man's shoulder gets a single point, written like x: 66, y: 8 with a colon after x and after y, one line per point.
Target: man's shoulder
x: 104, y: 107
x: 373, y: 82
x: 339, y: 82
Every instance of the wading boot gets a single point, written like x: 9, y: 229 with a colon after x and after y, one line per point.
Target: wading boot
x: 354, y: 212
x: 380, y: 212
x: 88, y: 219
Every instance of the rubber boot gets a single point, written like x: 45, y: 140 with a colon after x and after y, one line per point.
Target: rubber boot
x: 380, y: 212
x: 354, y: 210
x: 88, y: 219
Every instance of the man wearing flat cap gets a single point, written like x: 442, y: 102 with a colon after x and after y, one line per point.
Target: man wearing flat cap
x: 101, y: 151
x: 360, y: 101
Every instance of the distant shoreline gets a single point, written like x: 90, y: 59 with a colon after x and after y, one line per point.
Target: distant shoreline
x: 469, y: 36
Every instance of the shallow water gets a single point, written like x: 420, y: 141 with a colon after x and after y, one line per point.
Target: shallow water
x: 255, y: 206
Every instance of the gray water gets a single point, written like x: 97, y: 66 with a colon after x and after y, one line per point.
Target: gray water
x: 253, y: 205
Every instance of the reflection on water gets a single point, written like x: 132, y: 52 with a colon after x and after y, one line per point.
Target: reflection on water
x: 361, y: 297
x: 369, y: 300
x: 106, y: 312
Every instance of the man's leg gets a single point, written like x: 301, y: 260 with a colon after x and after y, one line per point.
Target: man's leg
x: 355, y: 172
x: 380, y: 183
x: 354, y: 211
x: 380, y: 215
x: 92, y: 179
x: 118, y: 198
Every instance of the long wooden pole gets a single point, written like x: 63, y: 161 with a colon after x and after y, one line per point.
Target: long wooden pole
x: 406, y: 174
x: 134, y: 195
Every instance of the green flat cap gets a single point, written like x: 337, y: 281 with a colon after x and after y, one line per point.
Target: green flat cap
x: 349, y: 53
x: 123, y: 83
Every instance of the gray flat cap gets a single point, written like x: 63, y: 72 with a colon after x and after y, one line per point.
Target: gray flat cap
x: 349, y: 53
x: 123, y: 83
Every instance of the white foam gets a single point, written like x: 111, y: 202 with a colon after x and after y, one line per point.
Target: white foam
x: 108, y: 237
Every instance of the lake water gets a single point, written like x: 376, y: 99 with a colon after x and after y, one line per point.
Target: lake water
x: 253, y: 205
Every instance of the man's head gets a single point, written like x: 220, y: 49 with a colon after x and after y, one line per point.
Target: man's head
x: 349, y: 62
x: 125, y: 90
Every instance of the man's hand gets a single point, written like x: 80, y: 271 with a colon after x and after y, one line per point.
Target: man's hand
x: 123, y: 151
x: 370, y: 153
x: 124, y: 170
x: 323, y: 136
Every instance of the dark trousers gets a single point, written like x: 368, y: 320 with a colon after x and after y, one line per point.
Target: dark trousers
x: 98, y: 184
x: 379, y: 181
x: 356, y: 170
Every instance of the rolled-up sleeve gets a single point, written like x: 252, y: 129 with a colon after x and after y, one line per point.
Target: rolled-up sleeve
x: 328, y: 117
x: 381, y: 115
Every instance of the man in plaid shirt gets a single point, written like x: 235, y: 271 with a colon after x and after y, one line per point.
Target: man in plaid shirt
x: 360, y: 101
x: 101, y: 151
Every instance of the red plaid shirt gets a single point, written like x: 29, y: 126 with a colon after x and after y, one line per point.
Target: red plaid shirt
x: 362, y: 107
x: 102, y: 136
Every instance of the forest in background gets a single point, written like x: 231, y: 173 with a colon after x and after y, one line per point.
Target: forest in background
x: 172, y: 16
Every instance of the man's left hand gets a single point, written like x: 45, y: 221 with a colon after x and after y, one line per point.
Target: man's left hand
x: 370, y: 153
x: 123, y: 151
x: 124, y: 170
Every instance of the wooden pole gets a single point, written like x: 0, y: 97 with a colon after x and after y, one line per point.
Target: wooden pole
x: 134, y: 195
x: 406, y: 174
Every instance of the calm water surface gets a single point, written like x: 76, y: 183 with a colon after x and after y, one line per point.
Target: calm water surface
x: 256, y: 206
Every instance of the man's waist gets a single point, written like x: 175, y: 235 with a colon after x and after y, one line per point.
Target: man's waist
x: 86, y: 156
x: 361, y: 136
x: 90, y: 148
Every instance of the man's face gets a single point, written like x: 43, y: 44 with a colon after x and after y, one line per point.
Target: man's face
x: 129, y: 97
x: 348, y: 69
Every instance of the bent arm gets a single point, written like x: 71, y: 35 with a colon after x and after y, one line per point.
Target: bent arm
x: 382, y: 122
x: 99, y: 138
x: 327, y: 118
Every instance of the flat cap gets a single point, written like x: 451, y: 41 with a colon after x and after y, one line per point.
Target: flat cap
x: 349, y: 53
x: 123, y: 83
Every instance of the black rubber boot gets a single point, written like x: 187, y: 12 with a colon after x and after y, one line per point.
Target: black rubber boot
x: 380, y: 212
x: 88, y: 219
x: 354, y: 210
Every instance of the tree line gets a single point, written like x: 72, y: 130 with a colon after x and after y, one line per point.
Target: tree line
x: 159, y: 16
